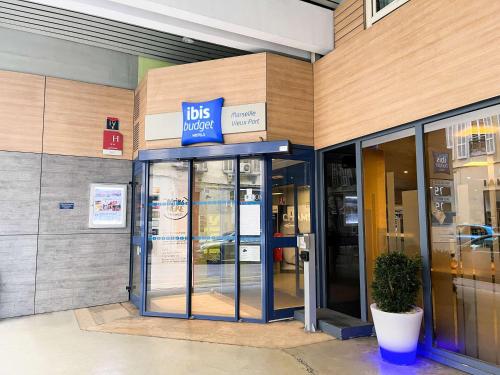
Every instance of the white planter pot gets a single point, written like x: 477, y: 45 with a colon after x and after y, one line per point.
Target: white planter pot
x: 397, y: 334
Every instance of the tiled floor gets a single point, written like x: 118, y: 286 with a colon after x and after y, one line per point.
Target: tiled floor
x: 54, y: 344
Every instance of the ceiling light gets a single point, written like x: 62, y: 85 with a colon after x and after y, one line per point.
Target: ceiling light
x: 187, y: 40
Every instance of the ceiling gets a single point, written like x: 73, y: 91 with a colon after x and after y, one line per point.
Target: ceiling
x: 330, y: 4
x: 105, y: 33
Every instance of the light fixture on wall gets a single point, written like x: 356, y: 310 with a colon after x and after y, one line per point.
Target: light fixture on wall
x: 187, y: 40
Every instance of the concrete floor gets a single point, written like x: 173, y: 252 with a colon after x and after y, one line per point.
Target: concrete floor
x: 54, y: 344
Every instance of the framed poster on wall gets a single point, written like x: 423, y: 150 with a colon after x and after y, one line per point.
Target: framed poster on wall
x: 108, y: 206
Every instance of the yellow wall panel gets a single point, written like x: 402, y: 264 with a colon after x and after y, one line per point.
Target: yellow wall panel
x: 426, y: 57
x: 21, y: 111
x: 75, y: 117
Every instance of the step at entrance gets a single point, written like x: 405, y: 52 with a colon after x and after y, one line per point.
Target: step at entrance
x: 340, y: 326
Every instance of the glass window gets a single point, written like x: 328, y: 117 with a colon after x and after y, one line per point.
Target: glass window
x: 213, y: 232
x: 376, y: 9
x: 341, y: 234
x: 464, y: 217
x: 291, y: 194
x: 390, y: 200
x: 167, y: 237
x: 251, y: 230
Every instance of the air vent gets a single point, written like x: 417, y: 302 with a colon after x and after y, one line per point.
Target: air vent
x: 135, y: 137
x: 101, y: 32
x: 137, y: 104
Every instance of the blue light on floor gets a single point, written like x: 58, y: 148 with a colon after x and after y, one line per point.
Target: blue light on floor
x: 399, y: 358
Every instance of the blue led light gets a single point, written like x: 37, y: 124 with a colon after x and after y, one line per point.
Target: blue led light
x: 399, y: 358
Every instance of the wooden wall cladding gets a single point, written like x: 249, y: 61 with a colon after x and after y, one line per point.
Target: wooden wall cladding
x: 21, y: 111
x: 349, y: 20
x: 239, y: 80
x: 140, y: 103
x: 289, y: 100
x: 75, y: 117
x: 285, y: 84
x: 426, y: 57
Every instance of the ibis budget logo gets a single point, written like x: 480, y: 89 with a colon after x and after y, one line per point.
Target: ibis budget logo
x: 202, y: 122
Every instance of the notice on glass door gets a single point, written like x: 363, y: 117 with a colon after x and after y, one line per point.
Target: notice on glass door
x: 249, y: 253
x: 250, y: 219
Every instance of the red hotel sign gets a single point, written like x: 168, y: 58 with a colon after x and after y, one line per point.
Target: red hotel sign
x: 112, y: 143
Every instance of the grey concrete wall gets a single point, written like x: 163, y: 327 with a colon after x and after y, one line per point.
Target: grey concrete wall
x: 68, y: 179
x: 17, y: 275
x: 80, y: 270
x: 19, y: 192
x: 26, y: 52
x: 52, y: 261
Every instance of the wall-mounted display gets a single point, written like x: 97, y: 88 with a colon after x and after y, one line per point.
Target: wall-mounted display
x: 108, y: 206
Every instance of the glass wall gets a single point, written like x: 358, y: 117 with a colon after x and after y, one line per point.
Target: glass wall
x: 251, y: 230
x: 167, y: 237
x: 213, y: 232
x: 463, y: 177
x: 342, y: 245
x: 390, y: 199
x: 291, y: 208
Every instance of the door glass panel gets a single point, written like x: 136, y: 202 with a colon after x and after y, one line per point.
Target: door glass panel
x: 342, y: 247
x: 251, y: 229
x: 291, y: 213
x: 167, y: 237
x: 136, y: 271
x: 304, y: 208
x: 213, y: 233
x: 135, y: 287
x: 390, y: 202
x: 463, y: 176
x: 137, y: 204
x: 288, y: 278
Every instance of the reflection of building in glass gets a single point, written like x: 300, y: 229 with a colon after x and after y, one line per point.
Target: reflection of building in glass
x: 463, y: 173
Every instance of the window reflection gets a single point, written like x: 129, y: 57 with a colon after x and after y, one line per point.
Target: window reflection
x: 213, y: 235
x: 167, y: 237
x: 463, y: 175
x: 390, y: 200
x: 251, y: 229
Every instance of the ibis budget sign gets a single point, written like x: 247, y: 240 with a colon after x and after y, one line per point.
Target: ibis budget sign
x: 201, y: 122
x: 205, y: 122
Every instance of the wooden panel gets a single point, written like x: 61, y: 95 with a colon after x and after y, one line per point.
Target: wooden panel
x: 21, y: 111
x: 75, y: 117
x: 349, y: 20
x: 140, y: 104
x: 427, y: 57
x: 289, y: 100
x: 239, y: 80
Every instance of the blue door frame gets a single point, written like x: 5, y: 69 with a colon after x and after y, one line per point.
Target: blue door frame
x: 265, y: 150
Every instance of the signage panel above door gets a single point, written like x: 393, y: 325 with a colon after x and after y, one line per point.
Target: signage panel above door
x: 235, y: 119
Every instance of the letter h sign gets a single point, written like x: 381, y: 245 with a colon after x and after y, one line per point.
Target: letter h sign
x: 112, y: 143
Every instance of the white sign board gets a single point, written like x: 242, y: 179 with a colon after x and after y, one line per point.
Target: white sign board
x: 249, y: 253
x: 235, y: 119
x: 108, y: 206
x: 250, y: 219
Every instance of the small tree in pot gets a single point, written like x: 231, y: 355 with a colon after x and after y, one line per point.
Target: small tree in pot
x: 396, y: 317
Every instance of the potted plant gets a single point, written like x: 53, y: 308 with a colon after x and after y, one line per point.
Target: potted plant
x: 396, y: 317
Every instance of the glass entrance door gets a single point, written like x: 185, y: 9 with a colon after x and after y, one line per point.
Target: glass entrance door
x: 221, y: 235
x: 213, y: 238
x: 205, y: 239
x: 137, y: 244
x: 291, y: 206
x: 167, y: 266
